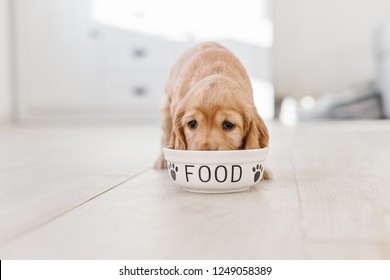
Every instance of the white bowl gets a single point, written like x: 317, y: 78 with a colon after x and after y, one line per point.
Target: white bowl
x: 215, y: 171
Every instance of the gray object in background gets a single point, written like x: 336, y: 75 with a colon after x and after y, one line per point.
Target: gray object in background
x: 359, y: 102
x: 369, y: 101
x: 383, y: 64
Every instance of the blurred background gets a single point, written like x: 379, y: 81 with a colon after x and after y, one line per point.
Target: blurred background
x: 109, y: 59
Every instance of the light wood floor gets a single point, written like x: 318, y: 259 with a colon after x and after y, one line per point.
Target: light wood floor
x: 88, y: 191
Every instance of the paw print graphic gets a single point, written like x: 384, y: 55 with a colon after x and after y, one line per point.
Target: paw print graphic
x: 258, y: 169
x: 172, y: 170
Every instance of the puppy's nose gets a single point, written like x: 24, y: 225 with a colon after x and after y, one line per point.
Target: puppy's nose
x: 204, y: 146
x: 207, y: 146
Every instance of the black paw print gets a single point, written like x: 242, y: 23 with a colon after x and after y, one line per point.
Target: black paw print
x: 258, y: 169
x: 173, y: 170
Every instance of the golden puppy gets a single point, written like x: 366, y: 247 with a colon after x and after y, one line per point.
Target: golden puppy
x: 208, y: 104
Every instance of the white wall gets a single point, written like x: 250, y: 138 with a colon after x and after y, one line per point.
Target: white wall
x: 324, y: 45
x: 5, y: 100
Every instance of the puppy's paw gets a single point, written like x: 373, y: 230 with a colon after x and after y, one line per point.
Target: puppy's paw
x: 160, y: 163
x: 267, y: 174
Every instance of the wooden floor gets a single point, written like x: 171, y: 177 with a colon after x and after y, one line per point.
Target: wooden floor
x: 89, y: 192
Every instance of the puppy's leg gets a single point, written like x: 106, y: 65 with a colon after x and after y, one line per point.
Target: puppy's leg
x: 166, y: 125
x: 267, y: 174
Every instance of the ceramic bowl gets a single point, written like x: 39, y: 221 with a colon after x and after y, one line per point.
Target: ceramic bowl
x: 215, y: 171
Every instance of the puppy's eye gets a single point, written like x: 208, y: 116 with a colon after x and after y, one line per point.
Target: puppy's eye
x: 227, y: 125
x: 192, y: 124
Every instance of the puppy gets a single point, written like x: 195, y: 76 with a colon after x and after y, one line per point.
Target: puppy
x: 208, y: 104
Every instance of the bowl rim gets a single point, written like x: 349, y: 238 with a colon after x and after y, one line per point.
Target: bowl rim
x: 215, y: 157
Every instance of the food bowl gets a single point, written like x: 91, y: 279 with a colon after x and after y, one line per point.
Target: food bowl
x: 215, y: 171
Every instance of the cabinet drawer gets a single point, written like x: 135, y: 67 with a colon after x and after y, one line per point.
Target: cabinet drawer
x: 122, y: 52
x: 134, y: 92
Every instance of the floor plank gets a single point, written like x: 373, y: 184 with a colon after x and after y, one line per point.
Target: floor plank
x: 45, y: 171
x: 343, y: 185
x: 329, y: 199
x: 347, y: 250
x: 148, y: 218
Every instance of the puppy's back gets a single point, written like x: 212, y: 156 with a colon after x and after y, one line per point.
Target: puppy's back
x: 202, y: 61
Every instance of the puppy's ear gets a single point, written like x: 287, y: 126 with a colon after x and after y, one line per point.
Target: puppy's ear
x: 178, y: 139
x: 256, y: 132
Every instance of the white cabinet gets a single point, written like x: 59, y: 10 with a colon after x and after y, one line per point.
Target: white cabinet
x: 134, y: 69
x: 111, y: 58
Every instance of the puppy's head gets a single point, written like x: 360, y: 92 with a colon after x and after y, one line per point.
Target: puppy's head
x: 217, y: 115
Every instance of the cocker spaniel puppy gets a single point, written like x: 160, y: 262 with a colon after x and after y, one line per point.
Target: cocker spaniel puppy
x: 208, y: 104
